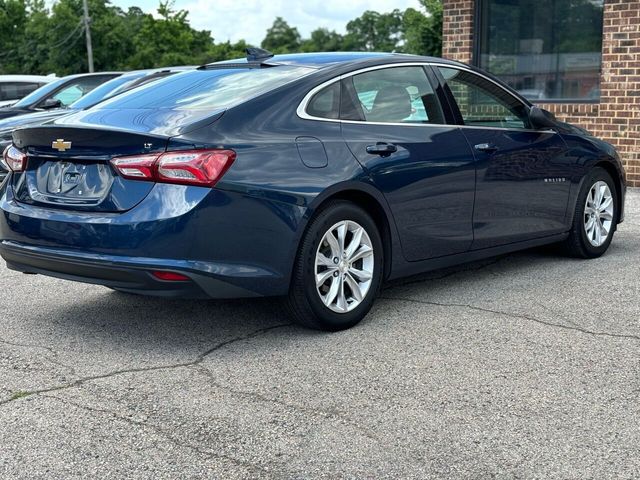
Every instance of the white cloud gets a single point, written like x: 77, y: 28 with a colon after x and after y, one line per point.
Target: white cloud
x: 249, y: 19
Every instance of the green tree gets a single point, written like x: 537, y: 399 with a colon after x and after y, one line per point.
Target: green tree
x: 38, y: 39
x: 375, y: 31
x: 227, y: 51
x: 423, y: 31
x: 13, y: 19
x: 323, y: 40
x: 281, y: 38
x: 168, y: 40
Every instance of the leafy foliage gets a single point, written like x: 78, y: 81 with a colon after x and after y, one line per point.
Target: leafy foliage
x: 38, y: 39
x: 281, y: 38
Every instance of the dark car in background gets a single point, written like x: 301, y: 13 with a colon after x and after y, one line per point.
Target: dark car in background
x: 314, y: 177
x: 61, y: 92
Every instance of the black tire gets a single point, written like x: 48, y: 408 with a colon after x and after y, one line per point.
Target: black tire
x: 304, y: 302
x: 578, y: 244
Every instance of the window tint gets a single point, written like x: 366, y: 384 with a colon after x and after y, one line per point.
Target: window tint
x: 206, y: 90
x: 76, y: 90
x: 326, y: 103
x: 483, y: 103
x: 394, y: 95
x: 15, y: 91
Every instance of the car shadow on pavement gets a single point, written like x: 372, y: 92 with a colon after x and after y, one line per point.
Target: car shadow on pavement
x: 160, y: 323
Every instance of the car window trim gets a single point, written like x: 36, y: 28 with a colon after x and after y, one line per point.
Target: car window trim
x: 454, y: 104
x: 302, y: 107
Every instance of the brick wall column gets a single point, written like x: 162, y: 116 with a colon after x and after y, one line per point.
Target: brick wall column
x: 619, y: 116
x: 616, y: 118
x: 457, y: 30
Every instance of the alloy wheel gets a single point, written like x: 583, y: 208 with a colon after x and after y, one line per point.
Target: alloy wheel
x: 598, y: 213
x: 344, y: 266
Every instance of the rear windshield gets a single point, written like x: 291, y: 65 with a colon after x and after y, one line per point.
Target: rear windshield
x: 206, y: 89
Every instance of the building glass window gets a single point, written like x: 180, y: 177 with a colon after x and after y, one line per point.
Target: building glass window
x: 548, y: 50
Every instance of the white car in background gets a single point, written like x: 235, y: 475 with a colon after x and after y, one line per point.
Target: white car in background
x: 16, y: 87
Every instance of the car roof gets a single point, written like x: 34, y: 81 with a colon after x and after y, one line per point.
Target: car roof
x: 28, y: 78
x: 322, y: 60
x: 94, y: 74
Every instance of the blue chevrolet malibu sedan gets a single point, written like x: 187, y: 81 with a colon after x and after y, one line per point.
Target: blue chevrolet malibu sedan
x: 315, y: 177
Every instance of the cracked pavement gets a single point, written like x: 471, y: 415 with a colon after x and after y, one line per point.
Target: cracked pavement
x: 522, y: 366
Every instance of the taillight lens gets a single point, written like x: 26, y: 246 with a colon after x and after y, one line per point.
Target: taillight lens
x: 15, y: 159
x: 189, y: 167
x: 138, y: 168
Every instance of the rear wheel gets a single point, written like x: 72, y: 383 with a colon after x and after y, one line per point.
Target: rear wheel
x: 595, y: 217
x: 338, y: 269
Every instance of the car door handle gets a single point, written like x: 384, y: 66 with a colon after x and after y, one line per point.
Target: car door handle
x: 486, y: 147
x: 382, y: 149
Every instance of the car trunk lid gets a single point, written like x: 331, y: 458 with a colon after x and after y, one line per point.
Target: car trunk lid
x: 69, y: 168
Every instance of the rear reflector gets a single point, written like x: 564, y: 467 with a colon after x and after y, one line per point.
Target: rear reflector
x: 189, y: 167
x: 170, y: 276
x: 15, y: 159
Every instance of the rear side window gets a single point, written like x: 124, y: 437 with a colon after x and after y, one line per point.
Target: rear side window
x: 394, y: 95
x: 326, y: 103
x: 206, y: 90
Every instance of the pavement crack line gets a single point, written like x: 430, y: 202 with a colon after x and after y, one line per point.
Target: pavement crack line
x: 54, y: 360
x: 160, y: 431
x: 256, y: 396
x: 199, y: 359
x: 517, y: 315
x: 28, y: 345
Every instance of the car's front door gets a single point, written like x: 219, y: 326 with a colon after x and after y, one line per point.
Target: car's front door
x: 395, y: 126
x: 523, y: 175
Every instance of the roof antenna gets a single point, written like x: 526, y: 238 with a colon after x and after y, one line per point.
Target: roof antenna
x: 258, y: 55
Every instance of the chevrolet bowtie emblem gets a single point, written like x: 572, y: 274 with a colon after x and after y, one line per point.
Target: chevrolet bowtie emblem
x: 61, y: 145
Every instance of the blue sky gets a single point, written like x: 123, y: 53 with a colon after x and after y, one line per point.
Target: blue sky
x: 249, y: 19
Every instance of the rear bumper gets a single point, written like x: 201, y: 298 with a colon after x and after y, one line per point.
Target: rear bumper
x: 126, y: 273
x: 229, y: 244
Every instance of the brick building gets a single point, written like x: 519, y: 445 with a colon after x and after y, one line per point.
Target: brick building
x: 577, y: 58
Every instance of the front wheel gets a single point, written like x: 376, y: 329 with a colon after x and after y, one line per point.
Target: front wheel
x: 595, y: 216
x: 338, y: 269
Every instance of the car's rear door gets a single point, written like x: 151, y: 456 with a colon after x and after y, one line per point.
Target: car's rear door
x: 523, y: 175
x: 394, y: 124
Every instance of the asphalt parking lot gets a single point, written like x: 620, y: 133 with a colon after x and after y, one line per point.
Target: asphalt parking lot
x: 524, y: 366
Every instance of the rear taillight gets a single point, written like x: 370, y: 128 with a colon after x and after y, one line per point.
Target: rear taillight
x: 15, y: 159
x: 189, y: 167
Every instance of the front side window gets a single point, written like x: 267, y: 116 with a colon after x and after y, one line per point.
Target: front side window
x: 483, y: 103
x: 393, y: 95
x: 545, y: 49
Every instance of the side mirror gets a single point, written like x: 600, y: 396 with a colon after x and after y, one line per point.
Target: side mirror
x: 541, y: 118
x: 51, y: 103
